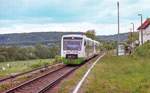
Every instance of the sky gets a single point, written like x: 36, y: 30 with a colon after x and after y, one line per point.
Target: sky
x: 23, y: 16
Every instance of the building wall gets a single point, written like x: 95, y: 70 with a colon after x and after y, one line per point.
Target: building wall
x: 140, y: 37
x: 146, y: 34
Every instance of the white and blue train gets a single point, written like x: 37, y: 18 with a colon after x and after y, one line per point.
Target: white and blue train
x: 77, y: 48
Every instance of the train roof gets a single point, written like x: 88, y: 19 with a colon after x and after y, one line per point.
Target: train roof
x: 84, y: 36
x: 73, y: 35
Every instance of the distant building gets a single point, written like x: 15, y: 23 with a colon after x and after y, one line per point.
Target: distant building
x: 145, y: 27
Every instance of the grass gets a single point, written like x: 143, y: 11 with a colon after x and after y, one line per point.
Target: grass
x: 112, y: 74
x: 123, y: 74
x: 21, y: 66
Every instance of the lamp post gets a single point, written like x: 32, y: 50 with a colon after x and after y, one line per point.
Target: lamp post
x: 133, y: 27
x: 141, y: 28
x: 132, y: 32
x: 118, y: 29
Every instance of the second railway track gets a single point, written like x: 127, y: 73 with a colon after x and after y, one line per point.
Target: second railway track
x: 25, y: 73
x: 38, y: 85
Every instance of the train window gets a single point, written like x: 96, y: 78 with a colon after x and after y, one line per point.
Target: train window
x: 72, y: 44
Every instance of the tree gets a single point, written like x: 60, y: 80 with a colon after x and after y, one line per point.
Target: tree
x: 2, y: 58
x: 90, y: 34
x: 54, y: 50
x: 108, y: 45
x: 132, y: 36
x: 42, y: 51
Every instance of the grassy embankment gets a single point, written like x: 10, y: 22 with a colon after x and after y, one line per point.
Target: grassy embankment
x: 21, y: 66
x: 126, y: 74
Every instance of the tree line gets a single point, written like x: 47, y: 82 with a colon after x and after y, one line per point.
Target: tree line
x: 39, y: 51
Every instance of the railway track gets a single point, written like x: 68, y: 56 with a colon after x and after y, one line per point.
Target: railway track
x: 24, y: 73
x: 45, y: 82
x: 40, y: 84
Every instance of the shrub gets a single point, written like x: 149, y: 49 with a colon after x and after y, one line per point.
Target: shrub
x: 58, y: 59
x: 143, y: 51
x: 2, y: 58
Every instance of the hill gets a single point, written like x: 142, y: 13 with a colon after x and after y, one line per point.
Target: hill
x: 27, y: 39
x: 47, y: 38
x: 123, y: 37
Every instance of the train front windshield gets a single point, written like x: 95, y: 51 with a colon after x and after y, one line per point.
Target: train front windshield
x: 72, y: 44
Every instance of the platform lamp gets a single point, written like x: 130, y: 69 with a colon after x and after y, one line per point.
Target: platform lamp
x: 141, y: 28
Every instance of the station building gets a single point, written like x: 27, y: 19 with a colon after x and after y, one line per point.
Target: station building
x: 145, y: 28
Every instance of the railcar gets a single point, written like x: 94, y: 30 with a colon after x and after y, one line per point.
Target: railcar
x: 75, y: 49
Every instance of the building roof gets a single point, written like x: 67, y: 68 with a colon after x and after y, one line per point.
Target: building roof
x: 145, y: 24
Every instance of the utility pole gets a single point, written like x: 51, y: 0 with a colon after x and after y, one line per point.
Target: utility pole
x: 131, y: 34
x: 133, y: 27
x: 118, y: 41
x: 141, y: 28
x: 131, y: 43
x: 132, y: 31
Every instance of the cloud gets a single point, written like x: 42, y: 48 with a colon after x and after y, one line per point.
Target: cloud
x: 101, y: 29
x: 19, y: 16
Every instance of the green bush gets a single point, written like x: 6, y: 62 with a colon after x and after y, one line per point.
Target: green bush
x: 143, y: 50
x: 58, y: 59
x: 2, y: 58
